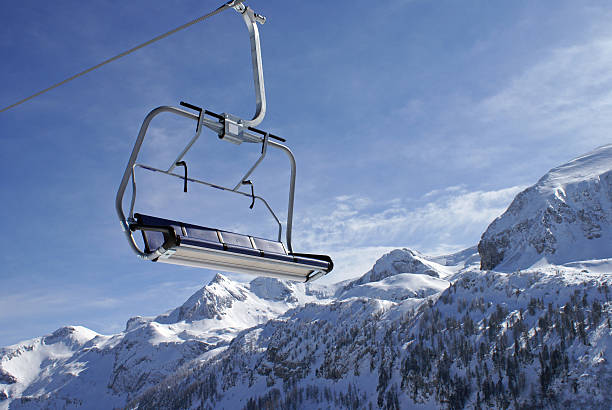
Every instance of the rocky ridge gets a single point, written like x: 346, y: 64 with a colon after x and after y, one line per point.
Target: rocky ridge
x: 566, y: 216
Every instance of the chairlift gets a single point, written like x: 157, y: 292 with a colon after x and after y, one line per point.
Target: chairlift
x: 181, y: 243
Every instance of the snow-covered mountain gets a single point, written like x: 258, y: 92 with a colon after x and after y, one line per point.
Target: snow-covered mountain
x: 405, y: 273
x: 527, y: 340
x: 77, y: 366
x: 566, y: 216
x: 413, y: 332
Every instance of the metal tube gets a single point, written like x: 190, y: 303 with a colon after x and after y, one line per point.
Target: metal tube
x: 287, y: 151
x: 188, y: 147
x: 128, y: 172
x: 222, y: 188
x: 133, y: 201
x: 260, y: 92
x: 264, y: 148
x: 214, y: 126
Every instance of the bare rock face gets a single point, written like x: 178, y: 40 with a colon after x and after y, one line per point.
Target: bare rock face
x: 566, y: 216
x: 6, y: 377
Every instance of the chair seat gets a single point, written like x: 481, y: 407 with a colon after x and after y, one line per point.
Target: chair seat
x: 211, y: 248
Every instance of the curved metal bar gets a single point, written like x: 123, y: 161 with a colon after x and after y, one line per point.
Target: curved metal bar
x: 189, y: 145
x: 133, y: 200
x: 287, y: 151
x: 264, y: 149
x: 251, y: 19
x: 128, y: 172
x: 132, y: 163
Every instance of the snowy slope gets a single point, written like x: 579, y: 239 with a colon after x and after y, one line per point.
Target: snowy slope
x: 76, y: 365
x: 538, y: 337
x: 404, y: 261
x: 114, y: 369
x: 398, y: 287
x: 405, y: 273
x: 42, y: 361
x: 565, y: 217
x: 529, y: 339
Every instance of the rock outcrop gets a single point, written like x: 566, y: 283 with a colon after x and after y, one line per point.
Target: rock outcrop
x: 565, y: 217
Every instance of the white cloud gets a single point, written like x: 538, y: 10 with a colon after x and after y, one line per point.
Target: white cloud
x: 453, y: 218
x: 568, y: 91
x: 435, y: 192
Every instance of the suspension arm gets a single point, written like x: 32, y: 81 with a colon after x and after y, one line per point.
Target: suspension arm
x: 251, y: 19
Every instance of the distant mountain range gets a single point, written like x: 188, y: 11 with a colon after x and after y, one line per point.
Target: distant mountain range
x: 532, y: 329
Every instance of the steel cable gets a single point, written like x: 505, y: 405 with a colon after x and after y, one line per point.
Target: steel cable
x: 125, y: 53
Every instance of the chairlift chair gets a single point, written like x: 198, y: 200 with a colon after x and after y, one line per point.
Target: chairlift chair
x: 181, y: 243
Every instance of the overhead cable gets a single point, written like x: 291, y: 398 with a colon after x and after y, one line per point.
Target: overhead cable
x: 227, y: 5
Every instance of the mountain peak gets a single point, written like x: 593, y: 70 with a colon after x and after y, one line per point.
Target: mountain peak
x: 400, y: 261
x: 219, y: 278
x: 566, y: 216
x: 209, y: 302
x: 70, y: 335
x: 409, y: 323
x: 583, y: 168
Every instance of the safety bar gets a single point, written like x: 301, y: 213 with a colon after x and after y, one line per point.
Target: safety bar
x: 197, y: 181
x: 217, y: 127
x: 276, y: 137
x: 193, y: 140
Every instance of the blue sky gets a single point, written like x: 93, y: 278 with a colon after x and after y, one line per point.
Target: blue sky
x: 414, y: 124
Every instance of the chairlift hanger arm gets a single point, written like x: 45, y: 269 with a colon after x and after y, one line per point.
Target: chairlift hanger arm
x: 245, y: 131
x: 251, y: 19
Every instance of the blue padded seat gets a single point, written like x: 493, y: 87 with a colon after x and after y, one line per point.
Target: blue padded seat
x: 239, y: 243
x: 154, y: 240
x: 272, y: 249
x: 200, y: 236
x: 236, y: 239
x: 269, y: 246
x: 206, y: 234
x: 202, y: 244
x: 203, y: 237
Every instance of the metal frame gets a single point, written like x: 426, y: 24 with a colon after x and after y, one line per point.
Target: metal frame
x: 250, y: 19
x: 241, y: 131
x: 150, y: 168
